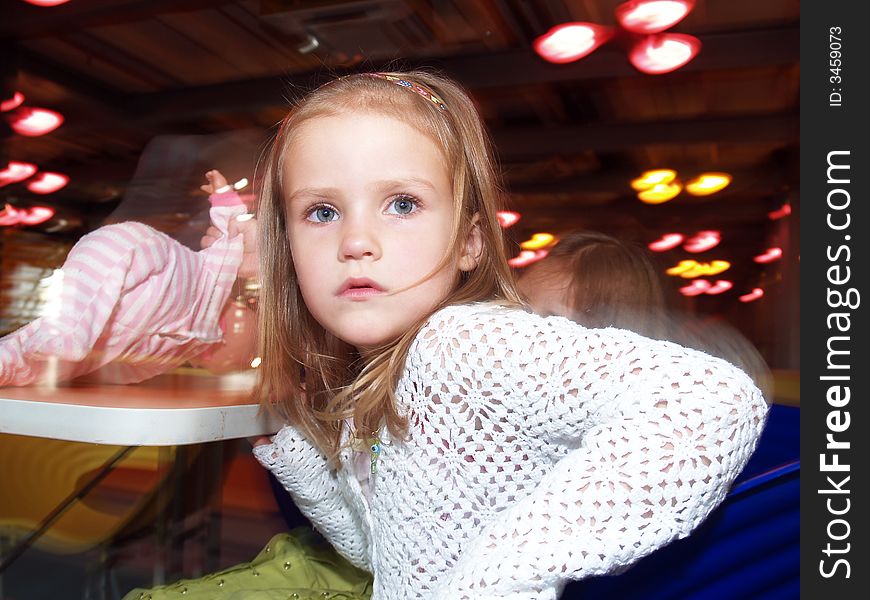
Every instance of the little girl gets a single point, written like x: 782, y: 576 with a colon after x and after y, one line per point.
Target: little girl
x: 439, y: 435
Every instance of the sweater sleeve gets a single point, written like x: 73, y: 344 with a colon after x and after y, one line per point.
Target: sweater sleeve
x: 653, y: 436
x: 313, y: 484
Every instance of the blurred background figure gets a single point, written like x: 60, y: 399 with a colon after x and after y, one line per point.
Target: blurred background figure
x: 601, y: 281
x: 598, y: 281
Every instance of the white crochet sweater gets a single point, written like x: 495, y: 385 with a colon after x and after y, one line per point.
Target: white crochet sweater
x: 538, y: 451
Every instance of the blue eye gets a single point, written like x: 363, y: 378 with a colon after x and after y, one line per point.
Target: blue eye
x: 403, y: 205
x: 323, y: 214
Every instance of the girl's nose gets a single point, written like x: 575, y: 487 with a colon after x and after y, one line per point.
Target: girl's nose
x: 359, y: 242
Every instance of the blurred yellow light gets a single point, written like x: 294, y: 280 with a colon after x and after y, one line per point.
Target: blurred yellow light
x: 692, y: 268
x: 538, y: 240
x: 652, y: 178
x: 682, y: 267
x: 708, y: 183
x: 660, y: 192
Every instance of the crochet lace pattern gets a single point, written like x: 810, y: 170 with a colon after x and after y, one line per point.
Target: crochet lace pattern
x: 538, y: 451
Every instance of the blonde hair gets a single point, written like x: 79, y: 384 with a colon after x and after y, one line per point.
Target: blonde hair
x: 313, y: 379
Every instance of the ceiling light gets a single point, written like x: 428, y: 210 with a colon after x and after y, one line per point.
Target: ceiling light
x: 25, y: 216
x: 697, y: 287
x: 46, y: 2
x: 571, y: 41
x: 770, y: 255
x: 16, y: 171
x: 660, y: 192
x: 35, y: 215
x: 507, y: 218
x: 47, y: 183
x: 13, y: 102
x: 527, y: 257
x: 691, y: 268
x: 708, y: 183
x: 783, y: 211
x: 58, y: 225
x: 722, y: 285
x: 664, y: 52
x: 702, y: 286
x: 666, y: 242
x: 755, y: 294
x: 33, y: 122
x: 652, y: 178
x: 652, y: 16
x: 703, y: 241
x: 310, y: 44
x: 8, y: 216
x: 538, y: 241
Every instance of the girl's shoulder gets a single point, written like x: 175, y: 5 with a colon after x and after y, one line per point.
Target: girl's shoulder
x: 492, y: 323
x: 474, y: 315
x: 515, y: 327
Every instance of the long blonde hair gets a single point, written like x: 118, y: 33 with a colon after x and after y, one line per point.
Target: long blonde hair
x: 313, y: 379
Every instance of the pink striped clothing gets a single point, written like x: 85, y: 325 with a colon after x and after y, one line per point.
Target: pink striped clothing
x: 132, y: 303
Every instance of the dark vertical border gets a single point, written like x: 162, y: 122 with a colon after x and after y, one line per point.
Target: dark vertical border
x: 835, y: 226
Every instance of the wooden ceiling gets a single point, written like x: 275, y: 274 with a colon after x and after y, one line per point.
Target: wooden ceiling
x: 179, y: 86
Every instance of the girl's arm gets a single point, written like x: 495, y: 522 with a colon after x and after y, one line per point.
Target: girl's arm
x: 305, y: 472
x: 653, y: 436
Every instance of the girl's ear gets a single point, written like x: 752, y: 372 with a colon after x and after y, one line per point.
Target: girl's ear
x: 473, y: 247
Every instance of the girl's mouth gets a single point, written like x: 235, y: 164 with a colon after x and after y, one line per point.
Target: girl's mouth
x: 359, y: 287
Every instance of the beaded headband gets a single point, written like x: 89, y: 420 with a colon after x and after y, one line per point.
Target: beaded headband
x: 414, y: 87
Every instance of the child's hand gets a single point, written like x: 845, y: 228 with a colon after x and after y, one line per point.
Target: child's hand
x: 217, y: 183
x: 259, y: 441
x: 250, y: 266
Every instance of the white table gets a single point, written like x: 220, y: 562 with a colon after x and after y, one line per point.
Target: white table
x: 172, y: 409
x: 175, y: 409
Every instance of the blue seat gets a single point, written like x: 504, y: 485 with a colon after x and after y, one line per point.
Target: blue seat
x: 748, y: 548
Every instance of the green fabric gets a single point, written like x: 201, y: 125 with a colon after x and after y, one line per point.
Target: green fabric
x: 296, y: 566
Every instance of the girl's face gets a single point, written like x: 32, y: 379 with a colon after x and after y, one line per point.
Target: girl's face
x: 369, y: 206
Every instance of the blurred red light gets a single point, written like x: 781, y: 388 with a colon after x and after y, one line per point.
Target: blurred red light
x: 699, y: 286
x: 769, y: 255
x: 527, y: 257
x: 571, y: 41
x: 13, y: 102
x: 25, y: 216
x: 702, y: 286
x: 703, y: 241
x: 46, y: 2
x: 783, y: 211
x: 664, y: 52
x: 666, y: 242
x: 8, y: 216
x: 755, y: 294
x: 16, y: 171
x: 35, y: 215
x: 33, y: 122
x: 46, y: 183
x: 722, y: 285
x: 652, y: 16
x: 507, y: 218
